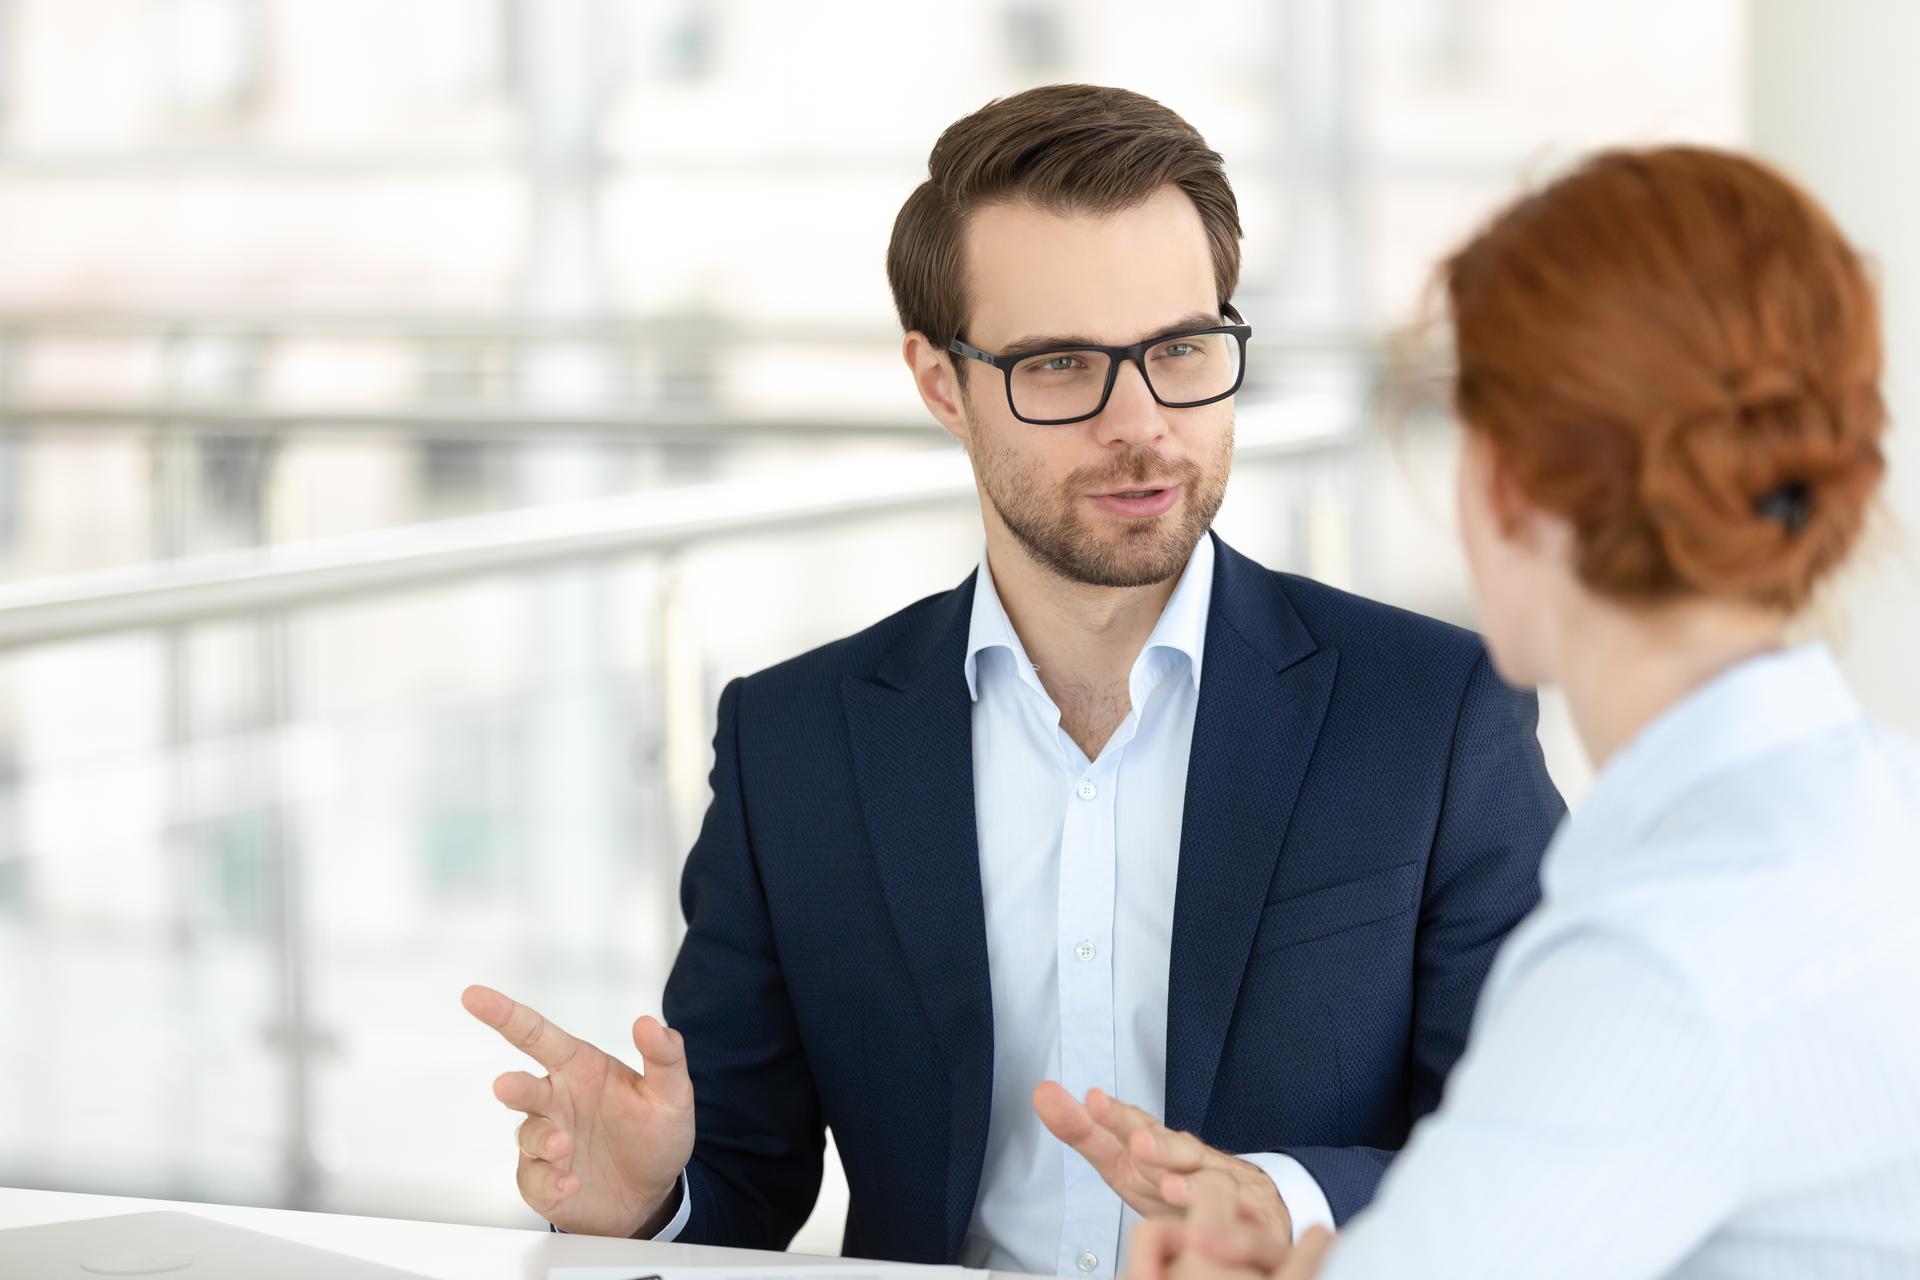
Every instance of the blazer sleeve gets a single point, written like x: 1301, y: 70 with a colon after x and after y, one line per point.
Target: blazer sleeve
x: 759, y: 1134
x: 1498, y: 811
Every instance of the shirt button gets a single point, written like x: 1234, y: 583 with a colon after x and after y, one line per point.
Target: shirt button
x: 1086, y: 950
x: 1086, y: 791
x: 1086, y: 1262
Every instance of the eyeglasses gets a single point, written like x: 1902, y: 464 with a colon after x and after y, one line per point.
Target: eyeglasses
x: 1058, y: 385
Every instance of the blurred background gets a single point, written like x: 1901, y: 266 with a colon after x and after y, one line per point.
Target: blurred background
x: 411, y: 414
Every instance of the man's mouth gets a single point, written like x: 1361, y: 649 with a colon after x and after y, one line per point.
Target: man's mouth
x: 1138, y: 503
x: 1143, y: 491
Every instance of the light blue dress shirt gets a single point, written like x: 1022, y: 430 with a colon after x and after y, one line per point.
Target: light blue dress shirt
x: 1078, y: 863
x: 1700, y: 1055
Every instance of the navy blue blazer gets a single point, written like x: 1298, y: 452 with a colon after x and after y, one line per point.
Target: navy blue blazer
x: 1365, y: 812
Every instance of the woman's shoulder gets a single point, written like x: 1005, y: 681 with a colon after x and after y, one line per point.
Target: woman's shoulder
x: 1790, y: 877
x: 1838, y: 804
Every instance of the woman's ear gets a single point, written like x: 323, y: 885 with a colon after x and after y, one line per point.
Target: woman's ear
x: 1514, y: 514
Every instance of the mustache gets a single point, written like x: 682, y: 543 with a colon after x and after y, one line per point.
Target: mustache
x: 1136, y: 467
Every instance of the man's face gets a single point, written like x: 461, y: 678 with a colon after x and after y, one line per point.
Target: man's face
x: 1115, y: 280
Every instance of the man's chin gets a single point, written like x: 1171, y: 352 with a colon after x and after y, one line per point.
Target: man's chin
x: 1137, y: 557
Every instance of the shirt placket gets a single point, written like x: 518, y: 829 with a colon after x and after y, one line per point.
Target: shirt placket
x: 1090, y: 1227
x: 1085, y: 937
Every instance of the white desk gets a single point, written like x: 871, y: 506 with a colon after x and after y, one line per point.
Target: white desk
x: 438, y: 1249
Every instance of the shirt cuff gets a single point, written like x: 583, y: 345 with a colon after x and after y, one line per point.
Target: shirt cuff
x: 1306, y: 1202
x: 671, y: 1232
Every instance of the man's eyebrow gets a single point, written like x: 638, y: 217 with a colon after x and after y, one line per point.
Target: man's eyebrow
x: 1064, y: 341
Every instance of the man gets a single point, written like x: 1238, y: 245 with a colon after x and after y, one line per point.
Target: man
x: 1124, y: 815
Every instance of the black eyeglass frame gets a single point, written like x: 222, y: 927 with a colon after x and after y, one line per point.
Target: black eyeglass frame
x: 1240, y: 330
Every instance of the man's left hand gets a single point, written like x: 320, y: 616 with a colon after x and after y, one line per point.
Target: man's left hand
x: 1216, y: 1241
x: 1150, y: 1165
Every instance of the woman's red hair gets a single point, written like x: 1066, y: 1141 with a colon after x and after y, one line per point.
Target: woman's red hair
x: 1677, y: 351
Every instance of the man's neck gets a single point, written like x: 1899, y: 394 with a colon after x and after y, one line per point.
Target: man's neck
x: 1081, y: 639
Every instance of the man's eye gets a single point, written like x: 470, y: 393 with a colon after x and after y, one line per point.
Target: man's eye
x: 1059, y: 364
x: 1179, y: 349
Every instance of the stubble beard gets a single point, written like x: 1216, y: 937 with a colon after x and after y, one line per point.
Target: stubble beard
x: 1055, y: 531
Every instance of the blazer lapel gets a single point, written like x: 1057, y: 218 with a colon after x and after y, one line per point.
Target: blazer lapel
x: 1264, y: 689
x: 911, y: 729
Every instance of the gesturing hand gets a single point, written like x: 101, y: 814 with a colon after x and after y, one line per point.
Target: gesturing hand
x: 1218, y: 1240
x: 1150, y: 1165
x: 602, y: 1147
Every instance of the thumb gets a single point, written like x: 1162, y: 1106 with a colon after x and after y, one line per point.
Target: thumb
x: 1306, y: 1259
x: 663, y: 1059
x: 1065, y: 1116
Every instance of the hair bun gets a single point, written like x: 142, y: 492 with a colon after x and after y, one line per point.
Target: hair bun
x: 1761, y: 495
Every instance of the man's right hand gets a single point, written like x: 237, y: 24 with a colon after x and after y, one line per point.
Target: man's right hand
x: 602, y: 1147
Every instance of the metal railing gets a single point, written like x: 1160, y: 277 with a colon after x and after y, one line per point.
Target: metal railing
x: 321, y: 570
x: 679, y: 424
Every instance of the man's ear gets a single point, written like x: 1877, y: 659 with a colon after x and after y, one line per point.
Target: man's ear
x: 937, y: 382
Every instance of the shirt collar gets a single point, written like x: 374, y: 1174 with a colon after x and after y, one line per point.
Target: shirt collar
x: 1181, y: 630
x: 1747, y: 711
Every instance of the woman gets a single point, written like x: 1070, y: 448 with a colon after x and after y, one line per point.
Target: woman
x: 1700, y: 1056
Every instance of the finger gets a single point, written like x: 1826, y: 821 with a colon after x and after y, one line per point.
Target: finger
x: 1215, y: 1224
x: 1155, y: 1243
x: 1192, y: 1264
x: 541, y: 1139
x: 1307, y: 1257
x: 532, y: 1034
x: 544, y: 1185
x: 1256, y: 1248
x: 663, y: 1058
x: 1067, y: 1119
x: 1213, y: 1200
x: 1255, y: 1198
x: 1161, y: 1148
x: 1121, y: 1119
x: 1217, y: 1227
x: 525, y: 1092
x: 1178, y: 1188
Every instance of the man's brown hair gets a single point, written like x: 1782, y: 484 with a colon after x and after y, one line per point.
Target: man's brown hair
x: 1065, y: 148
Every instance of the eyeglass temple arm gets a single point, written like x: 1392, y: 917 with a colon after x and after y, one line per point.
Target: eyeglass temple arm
x: 959, y: 348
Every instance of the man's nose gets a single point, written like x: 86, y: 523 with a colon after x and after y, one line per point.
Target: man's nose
x: 1132, y: 415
